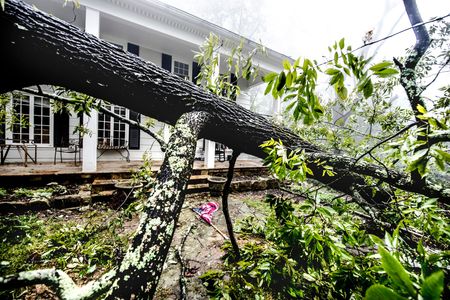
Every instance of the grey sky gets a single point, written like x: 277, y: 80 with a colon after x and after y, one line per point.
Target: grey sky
x: 306, y: 28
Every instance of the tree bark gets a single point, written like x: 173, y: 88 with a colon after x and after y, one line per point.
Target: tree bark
x: 79, y: 61
x: 138, y: 273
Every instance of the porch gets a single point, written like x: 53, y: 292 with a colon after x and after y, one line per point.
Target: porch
x: 15, y: 174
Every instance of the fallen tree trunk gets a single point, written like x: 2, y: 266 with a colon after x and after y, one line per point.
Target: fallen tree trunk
x: 137, y: 276
x: 79, y: 61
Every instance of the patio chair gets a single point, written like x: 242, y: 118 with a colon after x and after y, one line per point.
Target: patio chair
x: 70, y: 146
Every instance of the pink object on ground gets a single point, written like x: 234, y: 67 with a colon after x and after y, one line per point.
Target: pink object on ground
x: 206, y: 210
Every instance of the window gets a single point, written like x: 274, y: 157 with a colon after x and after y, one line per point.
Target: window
x: 112, y: 131
x: 181, y: 69
x: 32, y: 122
x: 41, y: 120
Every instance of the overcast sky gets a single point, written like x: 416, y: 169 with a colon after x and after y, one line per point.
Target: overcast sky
x: 306, y: 27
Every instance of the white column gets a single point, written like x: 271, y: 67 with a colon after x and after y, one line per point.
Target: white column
x: 276, y: 108
x: 210, y: 153
x: 92, y: 26
x: 166, y: 133
x: 210, y: 147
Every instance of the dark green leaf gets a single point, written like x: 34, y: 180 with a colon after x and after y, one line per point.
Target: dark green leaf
x: 386, y: 73
x: 433, y: 286
x: 368, y: 88
x: 281, y: 81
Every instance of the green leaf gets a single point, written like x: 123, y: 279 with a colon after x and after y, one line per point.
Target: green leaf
x: 296, y: 62
x: 289, y: 97
x: 268, y: 88
x: 269, y: 77
x: 386, y: 73
x: 342, y: 92
x: 286, y: 64
x: 380, y: 292
x: 443, y: 154
x: 341, y: 43
x: 396, y: 271
x: 281, y: 81
x: 289, y: 79
x: 381, y: 66
x: 2, y: 4
x: 368, y: 88
x: 433, y: 286
x: 332, y: 71
x: 421, y: 109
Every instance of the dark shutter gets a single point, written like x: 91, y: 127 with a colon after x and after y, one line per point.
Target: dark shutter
x: 61, y: 129
x: 80, y: 123
x: 233, y: 81
x: 2, y: 132
x: 132, y: 48
x: 134, y: 132
x: 195, y: 71
x: 166, y: 62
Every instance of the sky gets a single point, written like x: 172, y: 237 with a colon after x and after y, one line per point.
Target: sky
x: 306, y: 28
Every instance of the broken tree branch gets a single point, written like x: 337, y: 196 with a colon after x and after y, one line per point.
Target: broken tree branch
x: 225, y: 194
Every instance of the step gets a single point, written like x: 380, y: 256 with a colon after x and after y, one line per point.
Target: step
x: 197, y: 188
x: 197, y: 179
x: 102, y: 196
x: 99, y: 185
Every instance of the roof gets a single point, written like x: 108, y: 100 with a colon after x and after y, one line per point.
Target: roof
x: 187, y: 26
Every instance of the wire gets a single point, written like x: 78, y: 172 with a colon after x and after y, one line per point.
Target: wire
x: 392, y: 35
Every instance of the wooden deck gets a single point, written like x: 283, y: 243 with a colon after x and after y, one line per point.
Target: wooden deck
x: 17, y: 174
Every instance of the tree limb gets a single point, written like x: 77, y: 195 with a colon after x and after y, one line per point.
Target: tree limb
x: 225, y: 194
x: 86, y: 64
x: 62, y: 284
x: 139, y: 271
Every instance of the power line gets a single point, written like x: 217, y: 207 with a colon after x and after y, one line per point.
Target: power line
x: 401, y: 31
x: 392, y: 35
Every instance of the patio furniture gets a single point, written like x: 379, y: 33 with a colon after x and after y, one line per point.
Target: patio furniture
x: 72, y: 146
x: 21, y: 145
x: 220, y: 150
x: 106, y: 146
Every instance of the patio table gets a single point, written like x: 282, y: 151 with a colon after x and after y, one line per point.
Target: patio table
x: 22, y: 146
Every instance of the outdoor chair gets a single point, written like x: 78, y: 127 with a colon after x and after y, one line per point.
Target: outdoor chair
x: 71, y: 146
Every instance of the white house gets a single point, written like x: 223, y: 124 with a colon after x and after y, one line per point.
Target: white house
x: 157, y: 32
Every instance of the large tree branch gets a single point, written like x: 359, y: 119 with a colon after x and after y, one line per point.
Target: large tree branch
x: 139, y: 271
x: 398, y: 179
x: 408, y: 78
x: 86, y: 64
x: 61, y: 283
